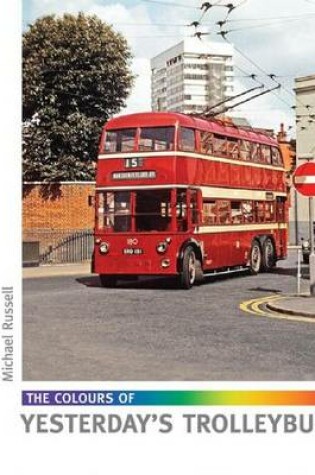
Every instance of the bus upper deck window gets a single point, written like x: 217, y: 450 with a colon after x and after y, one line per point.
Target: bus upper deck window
x: 266, y: 154
x: 219, y: 145
x: 155, y: 139
x: 206, y: 142
x: 245, y: 150
x: 232, y: 148
x: 120, y: 140
x: 276, y: 157
x: 256, y: 152
x: 187, y: 140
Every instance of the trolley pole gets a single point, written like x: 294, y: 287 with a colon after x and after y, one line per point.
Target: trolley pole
x: 312, y: 254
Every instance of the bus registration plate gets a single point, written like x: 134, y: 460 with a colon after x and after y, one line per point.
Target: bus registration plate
x: 132, y: 251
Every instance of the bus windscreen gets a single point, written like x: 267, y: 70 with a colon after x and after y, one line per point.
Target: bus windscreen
x: 156, y: 139
x: 120, y: 141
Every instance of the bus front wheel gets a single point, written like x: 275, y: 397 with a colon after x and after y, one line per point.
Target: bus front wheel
x: 268, y: 255
x: 189, y: 264
x: 255, y: 258
x: 108, y: 280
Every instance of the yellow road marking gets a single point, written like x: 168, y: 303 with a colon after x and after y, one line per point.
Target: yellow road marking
x: 252, y: 307
x: 253, y: 304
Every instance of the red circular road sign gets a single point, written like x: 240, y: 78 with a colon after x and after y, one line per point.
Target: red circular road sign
x: 304, y: 179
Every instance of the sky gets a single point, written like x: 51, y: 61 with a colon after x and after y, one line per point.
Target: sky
x: 271, y: 37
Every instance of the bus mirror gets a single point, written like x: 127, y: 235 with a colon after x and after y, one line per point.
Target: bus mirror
x: 91, y: 200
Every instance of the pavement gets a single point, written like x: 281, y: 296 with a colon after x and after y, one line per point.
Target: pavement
x: 297, y: 305
x: 83, y: 268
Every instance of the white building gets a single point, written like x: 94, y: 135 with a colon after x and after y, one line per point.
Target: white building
x: 191, y: 76
x: 305, y: 151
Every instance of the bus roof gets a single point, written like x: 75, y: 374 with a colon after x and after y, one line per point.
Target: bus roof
x: 164, y: 119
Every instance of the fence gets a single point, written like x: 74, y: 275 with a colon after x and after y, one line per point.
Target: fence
x: 61, y: 246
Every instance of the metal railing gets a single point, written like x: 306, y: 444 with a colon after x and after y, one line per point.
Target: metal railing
x: 62, y: 246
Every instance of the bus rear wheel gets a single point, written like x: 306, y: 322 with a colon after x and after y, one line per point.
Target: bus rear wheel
x: 199, y: 273
x: 255, y: 258
x: 189, y: 265
x: 268, y: 255
x: 108, y: 280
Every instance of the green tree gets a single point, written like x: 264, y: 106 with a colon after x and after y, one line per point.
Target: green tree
x: 76, y: 74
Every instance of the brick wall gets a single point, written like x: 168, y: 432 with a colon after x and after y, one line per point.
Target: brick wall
x: 55, y: 213
x: 57, y: 206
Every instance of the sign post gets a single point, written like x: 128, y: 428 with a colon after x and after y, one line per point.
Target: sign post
x: 304, y: 182
x: 312, y: 255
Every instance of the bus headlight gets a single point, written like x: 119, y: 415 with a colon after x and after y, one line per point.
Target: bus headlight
x: 104, y: 248
x: 161, y: 247
x: 165, y: 263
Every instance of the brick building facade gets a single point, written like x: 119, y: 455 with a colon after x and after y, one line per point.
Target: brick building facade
x: 60, y: 218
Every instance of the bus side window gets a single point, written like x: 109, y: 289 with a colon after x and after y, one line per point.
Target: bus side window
x: 276, y: 157
x: 245, y: 150
x: 266, y: 154
x: 194, y: 206
x: 209, y: 215
x: 247, y: 211
x: 206, y: 142
x: 269, y: 211
x: 181, y: 210
x: 224, y: 213
x: 256, y: 152
x: 187, y: 141
x: 280, y: 212
x: 236, y: 212
x: 219, y: 145
x: 260, y: 211
x: 232, y: 148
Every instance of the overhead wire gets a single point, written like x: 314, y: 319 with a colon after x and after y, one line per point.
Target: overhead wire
x: 206, y: 6
x: 271, y: 76
x: 263, y: 25
x: 281, y: 17
x: 170, y: 4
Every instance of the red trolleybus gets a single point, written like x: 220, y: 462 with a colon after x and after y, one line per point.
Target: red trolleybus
x: 183, y: 196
